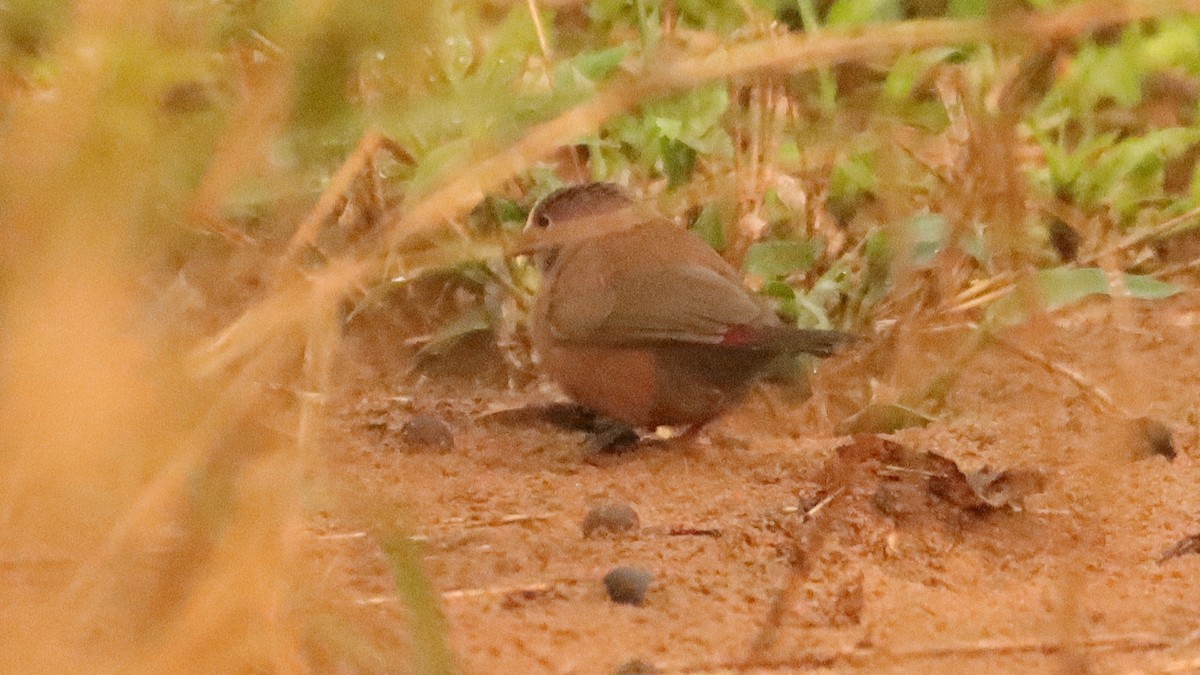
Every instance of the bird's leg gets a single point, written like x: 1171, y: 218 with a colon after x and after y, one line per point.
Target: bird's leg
x: 692, y: 431
x: 604, y: 434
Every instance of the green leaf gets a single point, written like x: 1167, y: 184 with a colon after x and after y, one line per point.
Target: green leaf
x: 927, y: 234
x: 859, y: 12
x: 719, y: 16
x: 1063, y: 286
x: 1101, y: 72
x: 968, y: 9
x: 474, y: 321
x: 513, y: 40
x: 1124, y: 174
x: 975, y: 245
x: 878, y: 254
x: 1067, y: 166
x: 509, y: 213
x: 784, y: 296
x: 788, y: 153
x: 694, y: 119
x: 710, y: 227
x: 439, y: 163
x: 587, y: 68
x: 430, y: 644
x: 777, y: 259
x: 679, y: 159
x: 910, y: 69
x: 853, y: 177
x: 883, y: 418
x: 774, y: 210
x: 1175, y: 43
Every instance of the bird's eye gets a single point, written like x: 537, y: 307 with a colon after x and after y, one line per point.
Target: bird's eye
x: 540, y: 219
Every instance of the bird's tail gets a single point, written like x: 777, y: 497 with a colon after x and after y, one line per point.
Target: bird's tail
x: 792, y: 340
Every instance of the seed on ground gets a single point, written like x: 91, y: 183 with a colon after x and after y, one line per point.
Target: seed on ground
x: 612, y: 518
x: 627, y: 585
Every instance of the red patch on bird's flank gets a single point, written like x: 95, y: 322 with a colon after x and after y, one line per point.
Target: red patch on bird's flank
x: 739, y: 336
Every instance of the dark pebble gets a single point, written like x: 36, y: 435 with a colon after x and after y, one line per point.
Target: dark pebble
x: 427, y: 432
x: 610, y: 518
x: 1065, y: 240
x: 627, y: 585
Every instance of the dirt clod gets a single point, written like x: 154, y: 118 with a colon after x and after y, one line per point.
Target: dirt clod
x: 1187, y: 545
x: 1150, y: 437
x: 906, y: 483
x: 627, y: 585
x: 427, y: 432
x: 613, y: 518
x: 636, y: 667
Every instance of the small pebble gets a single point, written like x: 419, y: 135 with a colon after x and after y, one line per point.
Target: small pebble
x: 427, y: 432
x: 613, y: 518
x: 627, y: 585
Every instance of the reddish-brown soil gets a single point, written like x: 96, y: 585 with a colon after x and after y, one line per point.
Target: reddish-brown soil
x: 1071, y: 582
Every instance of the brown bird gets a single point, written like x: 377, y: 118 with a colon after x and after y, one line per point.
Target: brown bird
x: 642, y: 321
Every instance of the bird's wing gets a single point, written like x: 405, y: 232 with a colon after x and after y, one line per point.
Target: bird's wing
x: 675, y: 302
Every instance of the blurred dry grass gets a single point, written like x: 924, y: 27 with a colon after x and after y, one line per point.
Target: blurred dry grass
x: 154, y: 474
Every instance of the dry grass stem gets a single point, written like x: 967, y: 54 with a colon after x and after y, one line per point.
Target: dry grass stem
x: 512, y: 519
x: 1167, y: 228
x: 1101, y: 398
x: 541, y: 32
x: 360, y: 161
x: 849, y: 656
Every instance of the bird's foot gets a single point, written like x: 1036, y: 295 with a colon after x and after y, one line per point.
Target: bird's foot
x: 610, y: 437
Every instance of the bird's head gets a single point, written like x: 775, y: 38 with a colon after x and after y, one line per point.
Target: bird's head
x: 569, y: 205
x: 576, y: 213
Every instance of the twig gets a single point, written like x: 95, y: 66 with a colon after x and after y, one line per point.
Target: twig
x: 338, y: 536
x: 800, y: 567
x: 981, y: 286
x: 1177, y: 268
x: 892, y: 470
x: 980, y: 649
x: 982, y: 292
x: 1093, y: 390
x: 360, y: 158
x: 486, y: 591
x: 713, y: 532
x: 1164, y: 229
x: 983, y: 298
x: 468, y: 593
x: 820, y: 506
x: 541, y: 32
x: 462, y: 523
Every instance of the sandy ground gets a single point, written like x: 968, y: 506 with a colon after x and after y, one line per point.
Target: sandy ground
x: 744, y: 576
